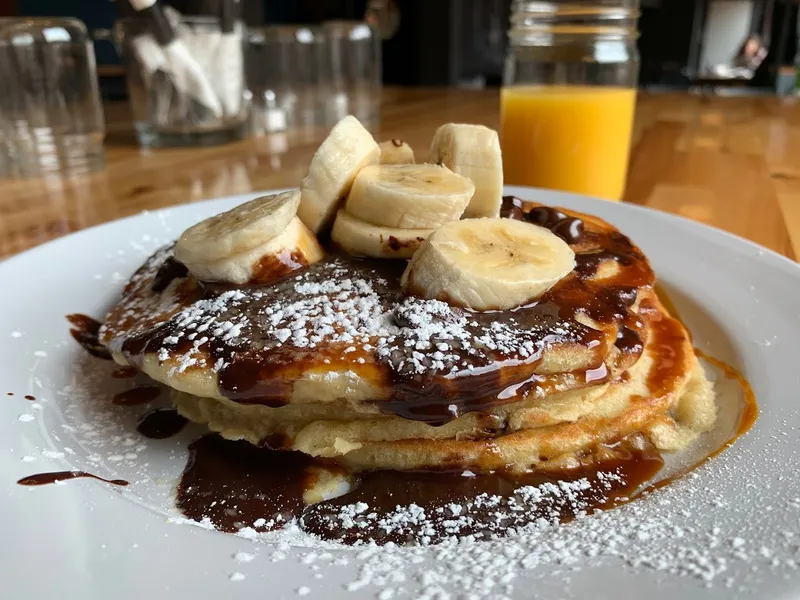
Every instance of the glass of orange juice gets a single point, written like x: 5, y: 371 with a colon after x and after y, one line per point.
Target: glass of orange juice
x: 569, y: 94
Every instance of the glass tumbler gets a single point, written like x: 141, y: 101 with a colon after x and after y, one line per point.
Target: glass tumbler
x: 353, y: 74
x: 569, y: 95
x: 51, y: 116
x: 307, y: 73
x: 268, y: 69
x: 283, y: 72
x: 193, y: 97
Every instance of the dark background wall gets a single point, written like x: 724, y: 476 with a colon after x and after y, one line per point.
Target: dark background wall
x: 462, y: 42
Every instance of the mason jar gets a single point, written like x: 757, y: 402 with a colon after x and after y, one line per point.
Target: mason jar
x: 569, y: 95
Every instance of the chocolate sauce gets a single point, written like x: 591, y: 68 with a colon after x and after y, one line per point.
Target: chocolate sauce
x: 235, y: 485
x: 628, y: 341
x: 171, y: 270
x: 263, y: 372
x: 396, y: 244
x: 587, y: 264
x: 31, y: 398
x: 276, y: 441
x: 161, y: 423
x: 141, y: 394
x: 124, y: 372
x: 545, y: 216
x: 569, y: 229
x: 482, y: 506
x: 48, y: 478
x: 511, y: 208
x: 85, y: 330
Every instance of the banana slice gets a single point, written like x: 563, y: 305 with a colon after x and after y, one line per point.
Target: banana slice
x: 360, y: 238
x: 488, y: 264
x: 409, y: 196
x: 347, y: 149
x: 238, y: 230
x: 295, y: 248
x: 473, y: 151
x: 396, y: 152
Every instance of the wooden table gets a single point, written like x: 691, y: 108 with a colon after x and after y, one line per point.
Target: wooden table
x: 730, y: 162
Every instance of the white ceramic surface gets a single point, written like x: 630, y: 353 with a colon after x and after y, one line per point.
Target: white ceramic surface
x: 731, y: 529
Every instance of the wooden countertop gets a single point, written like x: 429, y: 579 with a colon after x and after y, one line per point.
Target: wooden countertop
x: 730, y: 162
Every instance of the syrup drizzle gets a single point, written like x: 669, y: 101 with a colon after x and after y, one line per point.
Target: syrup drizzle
x: 124, y: 373
x: 236, y: 485
x: 55, y: 477
x: 161, y: 423
x: 85, y: 331
x: 135, y: 396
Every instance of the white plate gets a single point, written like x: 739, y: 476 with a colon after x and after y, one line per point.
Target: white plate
x: 730, y: 529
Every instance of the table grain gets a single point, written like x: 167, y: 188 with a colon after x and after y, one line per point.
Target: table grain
x: 733, y: 163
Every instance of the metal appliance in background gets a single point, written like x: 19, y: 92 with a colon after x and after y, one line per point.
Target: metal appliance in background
x: 51, y: 116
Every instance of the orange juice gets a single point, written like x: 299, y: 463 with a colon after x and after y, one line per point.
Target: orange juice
x: 570, y: 137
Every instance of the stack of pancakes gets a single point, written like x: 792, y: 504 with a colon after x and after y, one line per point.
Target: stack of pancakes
x: 336, y: 361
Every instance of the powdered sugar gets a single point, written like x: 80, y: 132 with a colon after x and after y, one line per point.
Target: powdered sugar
x: 347, y: 307
x: 244, y: 557
x: 484, y: 516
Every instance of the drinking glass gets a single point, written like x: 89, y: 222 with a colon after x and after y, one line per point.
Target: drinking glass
x: 52, y: 117
x: 268, y: 68
x: 353, y: 56
x: 569, y: 94
x: 166, y: 110
x: 313, y: 76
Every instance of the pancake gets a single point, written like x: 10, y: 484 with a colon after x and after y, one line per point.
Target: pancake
x: 665, y: 395
x: 337, y: 362
x: 343, y: 334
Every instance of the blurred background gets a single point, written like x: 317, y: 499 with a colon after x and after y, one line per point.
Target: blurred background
x: 630, y: 107
x: 188, y: 73
x: 463, y: 42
